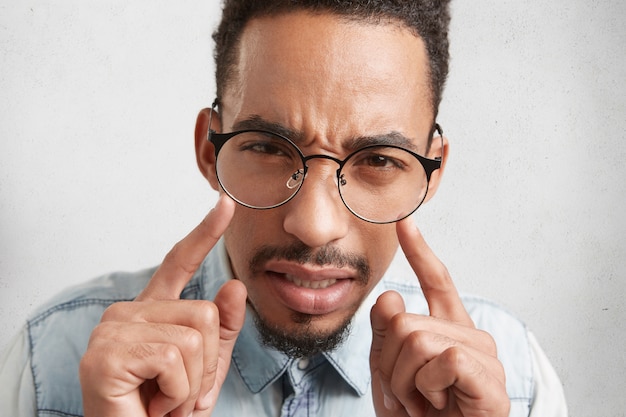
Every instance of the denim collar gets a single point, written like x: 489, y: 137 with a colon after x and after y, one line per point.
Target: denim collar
x: 260, y: 366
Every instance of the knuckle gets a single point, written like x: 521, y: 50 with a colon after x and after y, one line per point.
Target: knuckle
x: 188, y: 340
x: 210, y: 373
x: 457, y: 360
x: 103, y: 333
x: 175, y: 257
x: 89, y: 364
x: 484, y: 342
x: 92, y: 370
x: 210, y: 369
x: 454, y: 358
x: 206, y: 225
x: 192, y: 340
x: 439, y: 277
x: 102, y: 363
x: 205, y: 313
x: 169, y: 355
x: 210, y: 311
x: 418, y: 340
x: 116, y: 311
x: 399, y: 323
x: 444, y: 272
x: 488, y: 343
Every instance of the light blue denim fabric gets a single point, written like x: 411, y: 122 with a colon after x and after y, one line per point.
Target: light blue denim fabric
x: 261, y: 381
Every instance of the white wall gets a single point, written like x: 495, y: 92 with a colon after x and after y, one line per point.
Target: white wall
x: 97, y: 172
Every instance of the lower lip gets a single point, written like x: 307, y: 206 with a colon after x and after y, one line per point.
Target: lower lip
x: 311, y: 301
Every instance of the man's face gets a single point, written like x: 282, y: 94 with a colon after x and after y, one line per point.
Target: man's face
x: 310, y: 263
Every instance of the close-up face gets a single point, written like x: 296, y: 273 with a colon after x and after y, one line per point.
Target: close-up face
x: 334, y: 86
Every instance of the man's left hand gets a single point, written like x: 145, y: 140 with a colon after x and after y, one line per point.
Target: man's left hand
x: 436, y: 365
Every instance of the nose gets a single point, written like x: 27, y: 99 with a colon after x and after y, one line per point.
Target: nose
x: 316, y: 215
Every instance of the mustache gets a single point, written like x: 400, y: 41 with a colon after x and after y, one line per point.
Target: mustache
x: 300, y: 253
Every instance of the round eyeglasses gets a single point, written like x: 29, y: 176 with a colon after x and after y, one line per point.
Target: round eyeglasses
x: 377, y: 183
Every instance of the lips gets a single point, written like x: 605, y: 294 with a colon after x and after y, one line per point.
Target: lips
x: 309, y: 289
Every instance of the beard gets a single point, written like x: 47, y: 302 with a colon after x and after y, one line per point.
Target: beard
x: 305, y: 340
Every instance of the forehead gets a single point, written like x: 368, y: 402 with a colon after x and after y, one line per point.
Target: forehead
x: 330, y: 77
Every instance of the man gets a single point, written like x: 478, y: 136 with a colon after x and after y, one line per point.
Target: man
x: 322, y: 142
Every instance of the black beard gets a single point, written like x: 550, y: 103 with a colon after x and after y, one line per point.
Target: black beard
x: 303, y: 342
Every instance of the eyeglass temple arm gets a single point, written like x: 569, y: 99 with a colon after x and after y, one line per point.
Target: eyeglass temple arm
x: 215, y: 103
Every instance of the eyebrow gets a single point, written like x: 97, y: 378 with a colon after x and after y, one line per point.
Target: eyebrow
x: 391, y: 138
x: 256, y: 122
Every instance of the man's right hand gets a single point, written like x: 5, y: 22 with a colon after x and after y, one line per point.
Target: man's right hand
x: 159, y: 354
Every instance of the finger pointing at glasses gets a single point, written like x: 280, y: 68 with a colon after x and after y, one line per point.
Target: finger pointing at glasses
x: 432, y: 365
x: 159, y: 354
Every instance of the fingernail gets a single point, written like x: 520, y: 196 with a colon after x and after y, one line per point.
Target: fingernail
x: 204, y: 403
x: 389, y: 403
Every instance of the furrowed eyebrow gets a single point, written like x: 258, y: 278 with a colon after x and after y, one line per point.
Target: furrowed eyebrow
x: 256, y: 122
x: 392, y: 139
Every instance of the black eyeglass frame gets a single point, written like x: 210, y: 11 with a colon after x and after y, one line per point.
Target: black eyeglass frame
x: 430, y: 165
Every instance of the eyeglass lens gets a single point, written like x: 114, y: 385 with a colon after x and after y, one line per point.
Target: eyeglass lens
x: 379, y: 184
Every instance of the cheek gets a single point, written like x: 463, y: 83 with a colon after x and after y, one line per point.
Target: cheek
x: 248, y: 230
x: 381, y: 243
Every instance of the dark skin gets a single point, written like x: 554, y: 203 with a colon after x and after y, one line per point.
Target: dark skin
x: 162, y: 355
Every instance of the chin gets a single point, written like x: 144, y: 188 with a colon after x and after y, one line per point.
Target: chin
x: 305, y: 335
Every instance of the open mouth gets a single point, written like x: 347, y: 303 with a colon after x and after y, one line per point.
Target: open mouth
x: 314, y: 285
x: 310, y: 290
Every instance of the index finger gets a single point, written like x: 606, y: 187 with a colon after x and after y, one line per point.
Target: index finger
x: 439, y: 290
x: 183, y: 260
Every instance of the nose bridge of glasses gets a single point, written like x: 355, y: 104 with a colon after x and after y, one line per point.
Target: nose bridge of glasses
x: 322, y: 156
x: 339, y: 162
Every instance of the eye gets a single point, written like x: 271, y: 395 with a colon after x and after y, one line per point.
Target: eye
x: 269, y: 148
x: 380, y: 161
x: 383, y: 158
x: 264, y: 144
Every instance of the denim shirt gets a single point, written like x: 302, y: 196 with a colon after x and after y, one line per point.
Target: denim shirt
x: 261, y: 381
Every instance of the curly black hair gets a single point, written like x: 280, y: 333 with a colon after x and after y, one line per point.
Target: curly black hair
x: 428, y: 19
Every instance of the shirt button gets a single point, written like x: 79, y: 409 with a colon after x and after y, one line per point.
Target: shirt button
x: 303, y: 364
